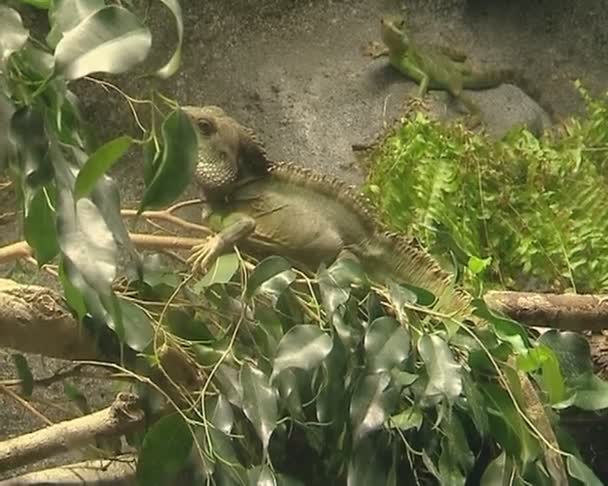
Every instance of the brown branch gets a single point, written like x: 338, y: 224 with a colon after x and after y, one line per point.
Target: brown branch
x: 95, y: 472
x: 35, y: 319
x: 573, y: 312
x: 123, y: 415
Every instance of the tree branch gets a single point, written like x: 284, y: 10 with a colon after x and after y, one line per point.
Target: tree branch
x: 573, y: 312
x: 96, y: 472
x: 122, y: 416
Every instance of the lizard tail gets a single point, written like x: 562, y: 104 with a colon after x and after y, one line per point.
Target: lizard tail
x: 411, y: 264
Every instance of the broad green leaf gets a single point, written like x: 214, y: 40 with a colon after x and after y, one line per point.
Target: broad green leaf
x: 64, y: 15
x: 12, y: 35
x: 478, y: 265
x: 386, y: 343
x: 591, y: 392
x: 403, y: 378
x: 444, y: 373
x: 408, y: 419
x: 138, y: 330
x: 39, y: 227
x: 221, y: 272
x: 456, y: 455
x: 29, y: 135
x: 165, y: 450
x: 290, y: 394
x: 506, y: 329
x: 423, y: 296
x: 579, y: 470
x: 227, y: 381
x: 7, y: 145
x: 572, y: 351
x: 260, y: 403
x: 332, y: 294
x: 219, y: 413
x: 41, y: 4
x: 24, y: 373
x: 499, y: 472
x: 86, y: 240
x: 261, y: 476
x: 346, y: 271
x: 110, y: 40
x: 172, y: 66
x: 368, y: 465
x: 177, y: 163
x: 99, y: 163
x: 183, y: 324
x: 271, y: 276
x: 304, y: 347
x: 476, y: 404
x: 72, y: 294
x: 372, y: 402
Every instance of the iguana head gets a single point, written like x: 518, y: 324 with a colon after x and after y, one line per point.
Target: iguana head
x: 227, y: 151
x: 393, y: 32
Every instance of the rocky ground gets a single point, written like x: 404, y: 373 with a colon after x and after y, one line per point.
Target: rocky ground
x: 294, y: 70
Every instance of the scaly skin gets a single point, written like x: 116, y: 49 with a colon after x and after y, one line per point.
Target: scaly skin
x: 434, y: 67
x: 278, y: 208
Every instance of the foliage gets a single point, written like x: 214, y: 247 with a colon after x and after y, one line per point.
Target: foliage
x: 536, y: 208
x: 291, y: 380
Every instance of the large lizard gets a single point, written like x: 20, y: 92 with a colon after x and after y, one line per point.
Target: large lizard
x: 442, y: 67
x: 279, y: 208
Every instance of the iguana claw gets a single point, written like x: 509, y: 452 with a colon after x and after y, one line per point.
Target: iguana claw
x: 375, y: 49
x: 205, y: 254
x: 416, y: 103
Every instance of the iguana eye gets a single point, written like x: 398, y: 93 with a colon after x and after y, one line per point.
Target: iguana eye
x: 206, y: 127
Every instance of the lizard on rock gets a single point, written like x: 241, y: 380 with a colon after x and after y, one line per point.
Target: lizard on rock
x: 443, y: 68
x: 278, y: 208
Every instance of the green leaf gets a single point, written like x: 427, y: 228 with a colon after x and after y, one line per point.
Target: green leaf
x: 506, y: 329
x: 444, y: 373
x: 172, y: 66
x: 476, y: 404
x: 29, y: 134
x: 72, y: 294
x: 64, y: 15
x: 24, y: 373
x: 39, y: 227
x: 572, y: 351
x: 499, y: 472
x: 138, y: 330
x: 261, y: 476
x: 41, y: 4
x: 221, y: 272
x: 591, y: 392
x: 271, y: 276
x: 227, y: 380
x: 110, y: 40
x: 165, y: 450
x: 177, y: 163
x: 260, y: 403
x: 13, y: 35
x: 407, y: 419
x: 478, y: 265
x: 386, y: 343
x: 7, y: 145
x: 582, y: 472
x: 184, y: 325
x: 372, y: 401
x: 219, y: 413
x: 304, y: 347
x: 99, y: 163
x: 367, y: 465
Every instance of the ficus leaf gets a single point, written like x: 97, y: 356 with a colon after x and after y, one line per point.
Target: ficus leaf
x: 13, y: 35
x: 371, y: 404
x: 443, y: 372
x: 39, y: 227
x: 260, y: 403
x: 99, y: 163
x: 24, y: 373
x: 386, y: 343
x: 172, y: 65
x: 304, y: 347
x: 110, y: 40
x: 177, y: 162
x: 64, y: 15
x: 165, y: 450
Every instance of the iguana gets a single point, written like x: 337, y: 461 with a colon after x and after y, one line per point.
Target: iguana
x: 280, y: 208
x: 442, y: 67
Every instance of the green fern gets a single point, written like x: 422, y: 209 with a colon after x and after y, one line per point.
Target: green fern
x: 538, y: 208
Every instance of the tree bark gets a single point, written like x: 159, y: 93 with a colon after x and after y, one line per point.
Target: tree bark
x: 572, y: 312
x: 117, y: 471
x: 120, y: 417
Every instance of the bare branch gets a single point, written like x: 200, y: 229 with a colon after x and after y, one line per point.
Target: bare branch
x: 571, y: 312
x: 35, y: 319
x: 122, y: 416
x: 118, y: 471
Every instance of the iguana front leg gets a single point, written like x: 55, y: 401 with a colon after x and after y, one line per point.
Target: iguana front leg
x: 235, y: 228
